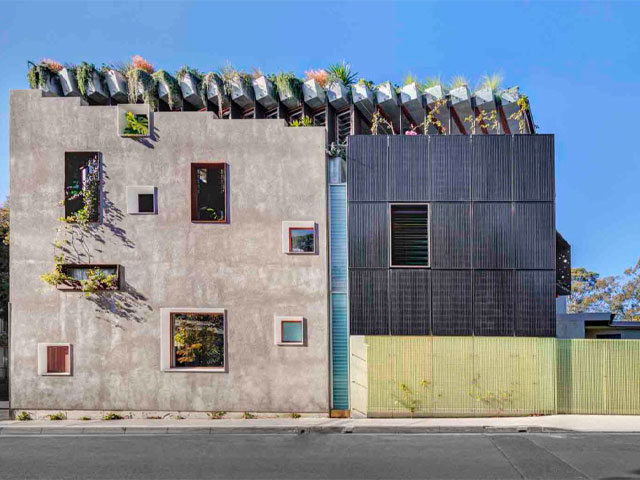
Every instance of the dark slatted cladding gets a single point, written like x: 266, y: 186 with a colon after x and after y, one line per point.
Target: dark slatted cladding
x: 451, y: 302
x: 409, y: 301
x: 491, y: 234
x: 410, y: 235
x: 535, y: 303
x: 368, y: 302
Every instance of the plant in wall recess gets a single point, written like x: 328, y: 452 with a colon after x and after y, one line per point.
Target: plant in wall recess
x: 136, y: 124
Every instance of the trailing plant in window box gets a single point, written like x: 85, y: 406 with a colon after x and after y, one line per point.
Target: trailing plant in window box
x: 140, y: 82
x: 289, y: 89
x: 190, y: 81
x: 43, y: 76
x: 91, y: 82
x: 168, y: 89
x: 214, y: 89
x: 238, y: 85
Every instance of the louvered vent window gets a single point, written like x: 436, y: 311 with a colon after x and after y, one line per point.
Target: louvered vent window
x: 343, y: 126
x: 409, y: 235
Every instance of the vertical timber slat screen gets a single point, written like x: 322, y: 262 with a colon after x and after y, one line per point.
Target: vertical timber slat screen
x: 493, y: 376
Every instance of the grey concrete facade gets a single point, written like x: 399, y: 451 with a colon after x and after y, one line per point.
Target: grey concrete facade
x: 276, y: 174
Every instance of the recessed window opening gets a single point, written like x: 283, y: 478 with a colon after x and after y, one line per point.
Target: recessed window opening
x: 290, y: 331
x: 58, y: 359
x: 409, y: 235
x: 197, y: 340
x: 82, y: 186
x: 302, y: 240
x: 209, y: 192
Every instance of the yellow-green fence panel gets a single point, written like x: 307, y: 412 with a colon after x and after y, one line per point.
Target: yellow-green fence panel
x: 486, y: 376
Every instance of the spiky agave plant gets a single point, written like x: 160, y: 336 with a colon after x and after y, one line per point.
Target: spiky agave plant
x: 341, y: 72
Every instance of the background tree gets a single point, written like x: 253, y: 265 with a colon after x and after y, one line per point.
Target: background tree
x: 4, y: 266
x: 619, y: 294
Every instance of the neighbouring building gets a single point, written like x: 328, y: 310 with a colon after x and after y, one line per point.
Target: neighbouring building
x: 396, y: 256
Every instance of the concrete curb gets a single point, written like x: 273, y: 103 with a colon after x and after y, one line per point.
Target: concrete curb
x: 271, y: 430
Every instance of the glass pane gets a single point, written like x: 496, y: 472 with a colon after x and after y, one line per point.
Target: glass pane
x: 82, y: 184
x: 57, y: 359
x: 292, y: 331
x: 82, y: 273
x: 210, y: 194
x: 302, y: 240
x: 198, y: 339
x: 145, y: 203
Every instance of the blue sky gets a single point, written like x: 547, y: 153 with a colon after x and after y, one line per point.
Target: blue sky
x: 578, y: 62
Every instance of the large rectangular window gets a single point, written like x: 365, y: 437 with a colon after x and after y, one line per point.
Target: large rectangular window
x: 197, y: 340
x: 409, y: 235
x: 209, y: 192
x: 92, y: 277
x: 82, y: 186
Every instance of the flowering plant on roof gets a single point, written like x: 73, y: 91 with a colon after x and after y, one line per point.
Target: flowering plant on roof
x: 319, y: 76
x: 142, y: 64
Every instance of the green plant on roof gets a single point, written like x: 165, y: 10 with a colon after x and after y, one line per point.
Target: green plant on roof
x: 84, y: 73
x: 433, y: 81
x: 136, y: 124
x: 286, y: 83
x: 39, y: 73
x: 139, y: 77
x: 520, y: 115
x: 410, y: 78
x: 180, y: 74
x: 493, y: 81
x: 229, y: 74
x: 305, y: 121
x: 459, y: 81
x: 365, y: 82
x: 173, y: 87
x: 341, y: 72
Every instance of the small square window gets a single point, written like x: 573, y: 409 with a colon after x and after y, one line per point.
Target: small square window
x: 141, y: 200
x: 290, y: 331
x: 54, y: 359
x: 145, y: 203
x: 299, y: 237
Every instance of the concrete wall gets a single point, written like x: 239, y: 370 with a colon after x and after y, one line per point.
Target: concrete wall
x: 275, y: 174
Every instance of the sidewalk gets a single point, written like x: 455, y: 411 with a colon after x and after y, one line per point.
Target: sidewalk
x: 552, y: 423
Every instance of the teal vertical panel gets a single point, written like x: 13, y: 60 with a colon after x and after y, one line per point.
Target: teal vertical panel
x: 338, y: 237
x: 339, y: 300
x: 340, y: 351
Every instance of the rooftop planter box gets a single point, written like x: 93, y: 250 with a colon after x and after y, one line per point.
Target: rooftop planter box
x: 389, y: 103
x: 289, y: 90
x: 88, y: 278
x: 412, y: 101
x: 461, y: 105
x: 264, y: 92
x: 241, y: 90
x: 117, y: 85
x: 338, y: 95
x: 95, y: 88
x: 134, y: 120
x: 168, y: 89
x: 509, y: 102
x: 68, y: 83
x: 437, y: 108
x: 190, y: 87
x: 485, y: 104
x: 43, y: 76
x: 313, y: 94
x: 363, y: 98
x: 216, y: 93
x: 141, y: 86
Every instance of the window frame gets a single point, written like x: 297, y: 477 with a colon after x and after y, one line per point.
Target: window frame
x: 288, y: 225
x: 76, y: 287
x: 194, y: 193
x: 100, y: 205
x: 279, y: 330
x: 166, y: 340
x: 390, y: 213
x: 43, y: 360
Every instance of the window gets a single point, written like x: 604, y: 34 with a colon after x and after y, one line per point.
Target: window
x: 82, y: 186
x: 209, y: 192
x: 193, y: 339
x: 134, y: 120
x: 141, y: 200
x: 54, y: 359
x: 409, y: 235
x: 299, y: 237
x: 290, y: 331
x: 96, y: 276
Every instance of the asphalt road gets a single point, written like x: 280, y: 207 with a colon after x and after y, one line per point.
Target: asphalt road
x: 330, y: 456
